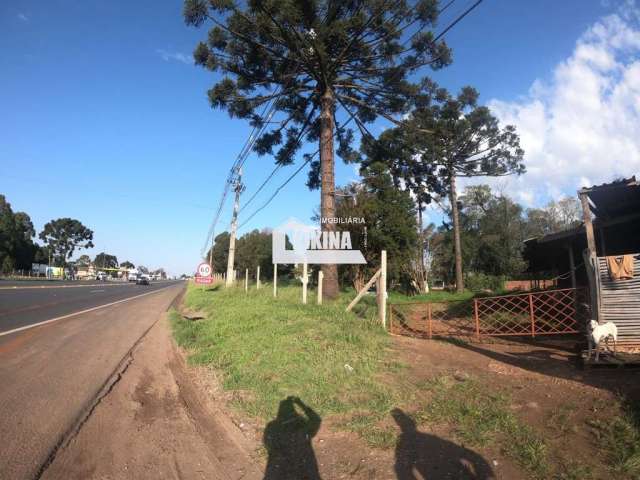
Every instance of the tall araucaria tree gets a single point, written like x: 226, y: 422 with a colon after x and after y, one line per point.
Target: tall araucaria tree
x: 466, y: 140
x: 308, y: 60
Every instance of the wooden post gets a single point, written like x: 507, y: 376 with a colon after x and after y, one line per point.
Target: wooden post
x: 275, y: 280
x: 382, y: 300
x: 588, y: 225
x: 364, y: 290
x: 429, y: 327
x: 258, y: 278
x: 477, y: 318
x: 320, y: 278
x: 246, y: 280
x: 532, y: 315
x: 572, y: 266
x: 305, y: 280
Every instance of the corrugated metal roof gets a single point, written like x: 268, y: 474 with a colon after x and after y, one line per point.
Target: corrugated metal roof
x: 622, y: 182
x: 614, y: 199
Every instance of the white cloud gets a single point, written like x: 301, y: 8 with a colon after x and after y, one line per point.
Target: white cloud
x: 23, y: 17
x: 582, y: 127
x: 168, y: 56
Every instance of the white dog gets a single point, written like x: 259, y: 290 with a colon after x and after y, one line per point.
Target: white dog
x: 599, y: 334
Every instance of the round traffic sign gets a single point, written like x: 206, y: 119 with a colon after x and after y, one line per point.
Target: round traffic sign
x: 204, y: 270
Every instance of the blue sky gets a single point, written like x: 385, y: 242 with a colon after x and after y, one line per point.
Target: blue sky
x: 105, y: 119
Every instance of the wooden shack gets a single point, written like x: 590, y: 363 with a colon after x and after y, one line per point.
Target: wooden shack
x: 611, y: 214
x: 577, y: 258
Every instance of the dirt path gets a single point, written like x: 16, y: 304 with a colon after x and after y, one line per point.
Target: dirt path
x: 548, y: 391
x: 155, y: 424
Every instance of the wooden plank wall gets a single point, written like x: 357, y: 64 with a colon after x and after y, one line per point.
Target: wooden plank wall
x: 621, y: 302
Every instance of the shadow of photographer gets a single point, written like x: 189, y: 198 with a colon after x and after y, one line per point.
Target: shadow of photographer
x: 424, y: 456
x: 287, y: 439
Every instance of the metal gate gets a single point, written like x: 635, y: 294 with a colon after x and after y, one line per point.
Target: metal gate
x: 549, y: 312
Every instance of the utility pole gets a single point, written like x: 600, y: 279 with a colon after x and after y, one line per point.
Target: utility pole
x: 238, y: 187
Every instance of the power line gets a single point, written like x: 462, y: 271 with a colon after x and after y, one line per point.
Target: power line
x: 307, y: 161
x: 269, y: 177
x: 458, y: 19
x: 238, y: 163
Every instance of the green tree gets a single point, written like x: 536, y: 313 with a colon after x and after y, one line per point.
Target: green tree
x: 390, y: 223
x: 220, y: 252
x: 127, y: 264
x: 8, y: 236
x: 492, y: 230
x: 64, y: 235
x: 465, y: 140
x: 17, y: 250
x: 556, y: 216
x: 253, y: 249
x: 318, y: 56
x: 83, y: 260
x: 105, y: 260
x: 41, y: 254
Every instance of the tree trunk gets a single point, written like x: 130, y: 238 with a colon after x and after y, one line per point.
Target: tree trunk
x: 327, y: 190
x: 456, y: 232
x: 421, y: 269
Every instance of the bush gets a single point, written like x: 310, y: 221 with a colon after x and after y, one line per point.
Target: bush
x: 477, y: 282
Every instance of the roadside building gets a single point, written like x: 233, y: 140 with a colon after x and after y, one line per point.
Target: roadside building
x: 586, y: 256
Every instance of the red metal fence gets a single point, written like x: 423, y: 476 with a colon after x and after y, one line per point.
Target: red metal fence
x: 548, y: 312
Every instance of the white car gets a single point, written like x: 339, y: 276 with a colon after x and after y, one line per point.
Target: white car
x: 102, y: 276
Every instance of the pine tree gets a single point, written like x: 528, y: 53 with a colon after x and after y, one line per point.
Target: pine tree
x: 308, y: 59
x: 464, y: 140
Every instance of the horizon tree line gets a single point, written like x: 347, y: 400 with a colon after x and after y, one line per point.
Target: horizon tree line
x: 61, y: 238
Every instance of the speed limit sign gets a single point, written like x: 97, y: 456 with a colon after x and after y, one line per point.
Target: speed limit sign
x: 204, y: 273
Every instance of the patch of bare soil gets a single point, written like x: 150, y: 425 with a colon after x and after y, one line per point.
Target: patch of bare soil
x: 153, y: 424
x: 549, y: 392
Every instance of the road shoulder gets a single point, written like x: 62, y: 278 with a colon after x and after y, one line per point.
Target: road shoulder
x: 155, y: 423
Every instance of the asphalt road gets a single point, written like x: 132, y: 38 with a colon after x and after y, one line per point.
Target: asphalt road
x: 52, y: 374
x: 27, y: 303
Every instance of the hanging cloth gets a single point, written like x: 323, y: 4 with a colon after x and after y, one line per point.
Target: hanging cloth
x: 620, y: 268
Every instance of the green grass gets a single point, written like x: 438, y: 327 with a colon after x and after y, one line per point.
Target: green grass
x: 620, y: 439
x: 481, y: 417
x: 271, y: 349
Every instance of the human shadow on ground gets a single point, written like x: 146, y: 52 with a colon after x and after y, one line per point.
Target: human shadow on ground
x: 424, y: 456
x: 287, y: 439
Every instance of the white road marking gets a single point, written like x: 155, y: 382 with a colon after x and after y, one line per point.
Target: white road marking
x: 21, y: 287
x: 51, y: 320
x: 95, y: 291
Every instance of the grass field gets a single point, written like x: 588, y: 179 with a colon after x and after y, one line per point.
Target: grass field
x: 342, y: 366
x: 271, y: 349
